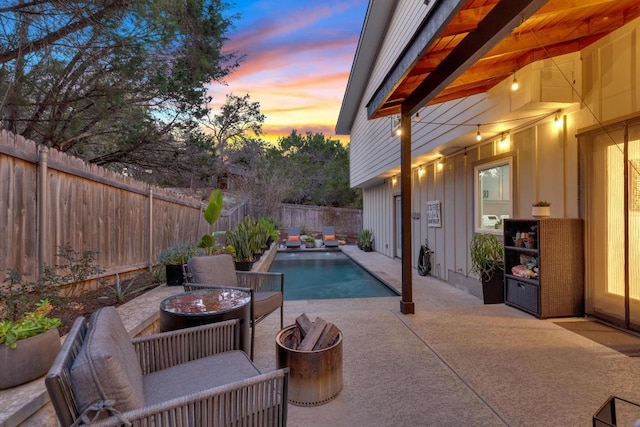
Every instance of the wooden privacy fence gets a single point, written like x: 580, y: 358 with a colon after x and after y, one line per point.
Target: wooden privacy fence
x: 49, y: 199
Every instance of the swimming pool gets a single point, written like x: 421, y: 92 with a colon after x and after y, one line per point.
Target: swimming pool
x: 326, y: 275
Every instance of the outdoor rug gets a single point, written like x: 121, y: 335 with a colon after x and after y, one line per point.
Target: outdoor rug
x: 613, y: 338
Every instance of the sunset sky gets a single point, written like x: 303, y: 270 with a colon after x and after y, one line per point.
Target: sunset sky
x: 298, y: 58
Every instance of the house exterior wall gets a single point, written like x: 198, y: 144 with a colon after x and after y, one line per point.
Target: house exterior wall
x: 376, y: 162
x: 611, y: 76
x: 602, y: 78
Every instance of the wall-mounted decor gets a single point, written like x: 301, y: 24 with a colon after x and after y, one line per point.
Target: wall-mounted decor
x: 433, y: 213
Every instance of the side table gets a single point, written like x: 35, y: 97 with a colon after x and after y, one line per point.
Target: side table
x: 204, y: 306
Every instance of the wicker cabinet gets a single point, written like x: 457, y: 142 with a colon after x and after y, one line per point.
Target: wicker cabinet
x: 544, y: 266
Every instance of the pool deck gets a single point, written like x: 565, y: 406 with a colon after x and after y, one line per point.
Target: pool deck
x: 455, y: 362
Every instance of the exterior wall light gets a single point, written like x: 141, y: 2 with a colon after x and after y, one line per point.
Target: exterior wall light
x: 557, y: 121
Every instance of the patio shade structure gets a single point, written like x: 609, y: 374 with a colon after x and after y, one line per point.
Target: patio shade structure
x: 466, y: 47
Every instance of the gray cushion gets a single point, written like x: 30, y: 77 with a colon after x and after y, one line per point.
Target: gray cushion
x: 197, y: 375
x: 107, y: 366
x: 266, y: 302
x: 213, y: 270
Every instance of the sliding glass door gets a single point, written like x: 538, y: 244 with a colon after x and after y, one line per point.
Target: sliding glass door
x: 611, y: 186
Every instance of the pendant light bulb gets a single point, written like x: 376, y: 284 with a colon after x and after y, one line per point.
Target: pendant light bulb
x: 478, y: 135
x: 514, y: 84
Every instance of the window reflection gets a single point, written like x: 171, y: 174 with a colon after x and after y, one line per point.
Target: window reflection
x: 493, y: 186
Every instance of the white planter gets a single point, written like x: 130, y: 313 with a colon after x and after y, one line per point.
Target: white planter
x: 541, y: 211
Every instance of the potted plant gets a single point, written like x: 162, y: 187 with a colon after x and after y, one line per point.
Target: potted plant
x: 28, y: 345
x: 541, y: 209
x: 365, y: 240
x: 487, y: 261
x: 243, y: 239
x: 173, y: 258
x: 309, y: 242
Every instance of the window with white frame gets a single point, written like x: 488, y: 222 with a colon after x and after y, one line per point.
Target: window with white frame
x: 493, y: 194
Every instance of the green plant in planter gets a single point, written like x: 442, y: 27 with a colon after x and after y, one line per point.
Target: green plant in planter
x: 541, y: 203
x: 241, y: 241
x: 32, y: 323
x: 365, y: 239
x: 272, y: 227
x: 177, y: 254
x: 211, y: 214
x: 487, y: 255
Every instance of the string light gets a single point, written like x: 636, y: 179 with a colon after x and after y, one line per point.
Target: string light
x: 478, y: 135
x: 514, y: 84
x: 421, y: 171
x: 417, y: 116
x: 398, y: 131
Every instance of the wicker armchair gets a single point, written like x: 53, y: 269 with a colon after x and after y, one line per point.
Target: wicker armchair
x: 267, y: 289
x: 194, y: 376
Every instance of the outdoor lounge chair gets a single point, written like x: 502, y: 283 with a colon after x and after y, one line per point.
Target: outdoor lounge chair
x: 194, y: 376
x: 293, y: 237
x: 329, y: 237
x: 267, y: 289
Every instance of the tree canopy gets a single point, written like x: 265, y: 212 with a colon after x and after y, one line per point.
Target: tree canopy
x: 114, y: 82
x: 315, y: 168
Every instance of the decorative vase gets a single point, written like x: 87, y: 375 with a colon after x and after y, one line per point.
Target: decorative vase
x: 31, y: 358
x: 541, y: 211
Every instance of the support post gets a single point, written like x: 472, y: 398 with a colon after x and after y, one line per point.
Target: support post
x: 42, y: 200
x: 406, y: 302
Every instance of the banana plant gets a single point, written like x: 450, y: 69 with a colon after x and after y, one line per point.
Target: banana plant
x: 211, y: 214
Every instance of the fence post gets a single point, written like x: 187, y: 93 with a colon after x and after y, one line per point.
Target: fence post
x: 151, y: 260
x: 41, y: 200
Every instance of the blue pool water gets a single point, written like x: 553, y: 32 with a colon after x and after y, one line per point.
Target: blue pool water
x: 326, y: 275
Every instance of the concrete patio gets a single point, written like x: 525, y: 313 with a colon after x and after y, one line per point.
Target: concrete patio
x: 454, y: 362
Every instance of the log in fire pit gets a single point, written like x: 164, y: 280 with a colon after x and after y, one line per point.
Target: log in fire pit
x: 313, y: 353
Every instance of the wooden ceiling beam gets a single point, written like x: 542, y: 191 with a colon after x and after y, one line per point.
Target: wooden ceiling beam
x: 436, y: 22
x: 467, y: 20
x: 497, y: 25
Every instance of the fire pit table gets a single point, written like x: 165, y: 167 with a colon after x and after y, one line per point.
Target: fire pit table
x: 205, y: 306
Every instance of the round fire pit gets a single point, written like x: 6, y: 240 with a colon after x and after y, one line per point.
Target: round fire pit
x: 205, y: 306
x: 315, y: 377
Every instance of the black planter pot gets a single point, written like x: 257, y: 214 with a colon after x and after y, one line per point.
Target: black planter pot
x: 244, y: 265
x: 493, y: 289
x: 175, y: 275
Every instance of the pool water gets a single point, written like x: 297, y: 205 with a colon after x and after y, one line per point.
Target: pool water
x: 326, y: 275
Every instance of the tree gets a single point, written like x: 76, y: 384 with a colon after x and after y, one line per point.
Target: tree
x: 235, y: 131
x: 316, y: 169
x: 115, y: 82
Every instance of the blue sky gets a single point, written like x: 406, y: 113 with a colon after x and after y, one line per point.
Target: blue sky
x: 298, y: 57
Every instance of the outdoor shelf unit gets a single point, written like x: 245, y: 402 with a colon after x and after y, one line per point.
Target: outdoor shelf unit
x: 557, y: 243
